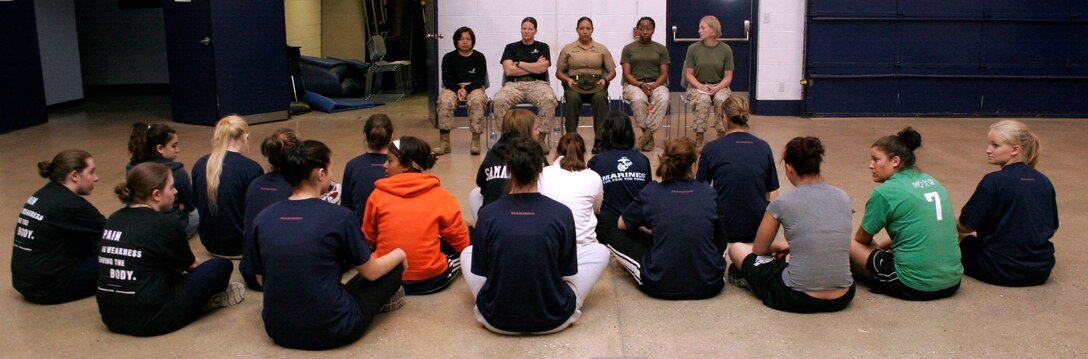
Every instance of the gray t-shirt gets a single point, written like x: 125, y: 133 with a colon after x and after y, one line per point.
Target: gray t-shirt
x: 816, y: 218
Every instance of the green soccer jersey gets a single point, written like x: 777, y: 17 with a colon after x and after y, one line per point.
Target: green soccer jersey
x: 710, y: 62
x: 915, y: 210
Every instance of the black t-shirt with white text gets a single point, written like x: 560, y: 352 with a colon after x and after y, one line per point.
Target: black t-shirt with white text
x: 623, y: 173
x: 56, y: 228
x: 142, y: 257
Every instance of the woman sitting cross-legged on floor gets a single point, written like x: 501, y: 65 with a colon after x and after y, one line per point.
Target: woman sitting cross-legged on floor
x: 300, y: 246
x: 526, y: 271
x: 685, y: 259
x: 816, y: 217
x: 410, y: 210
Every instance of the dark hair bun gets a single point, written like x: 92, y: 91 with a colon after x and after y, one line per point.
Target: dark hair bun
x: 123, y: 193
x: 911, y: 138
x: 812, y: 147
x: 45, y: 169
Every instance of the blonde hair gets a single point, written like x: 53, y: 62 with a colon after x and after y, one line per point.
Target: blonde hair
x: 227, y: 129
x: 1016, y: 133
x: 713, y: 23
x: 735, y: 110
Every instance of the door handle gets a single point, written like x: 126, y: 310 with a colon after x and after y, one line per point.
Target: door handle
x: 747, y: 35
x: 206, y: 41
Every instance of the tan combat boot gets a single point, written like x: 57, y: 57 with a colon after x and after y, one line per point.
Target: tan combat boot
x: 721, y: 133
x: 444, y: 143
x: 646, y: 142
x: 699, y: 142
x: 543, y: 139
x: 475, y: 148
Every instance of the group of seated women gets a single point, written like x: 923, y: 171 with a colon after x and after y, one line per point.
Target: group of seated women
x: 543, y: 234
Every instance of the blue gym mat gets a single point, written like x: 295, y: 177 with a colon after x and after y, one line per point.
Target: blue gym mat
x: 333, y: 105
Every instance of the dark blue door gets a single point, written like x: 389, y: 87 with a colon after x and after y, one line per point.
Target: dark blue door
x: 685, y: 15
x: 939, y: 58
x: 251, y: 74
x: 227, y: 57
x: 189, y: 51
x: 22, y: 90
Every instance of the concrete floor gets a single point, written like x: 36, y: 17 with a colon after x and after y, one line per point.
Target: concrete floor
x: 617, y: 320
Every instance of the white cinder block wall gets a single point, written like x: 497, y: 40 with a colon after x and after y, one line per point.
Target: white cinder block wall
x: 498, y: 22
x: 781, y: 27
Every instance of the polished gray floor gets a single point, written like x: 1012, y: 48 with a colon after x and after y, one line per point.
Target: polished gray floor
x: 618, y: 320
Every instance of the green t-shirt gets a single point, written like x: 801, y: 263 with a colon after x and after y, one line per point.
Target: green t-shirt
x: 710, y: 62
x: 645, y: 60
x: 915, y: 210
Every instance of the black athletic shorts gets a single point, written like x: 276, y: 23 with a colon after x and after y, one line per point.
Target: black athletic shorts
x: 764, y: 275
x: 881, y: 264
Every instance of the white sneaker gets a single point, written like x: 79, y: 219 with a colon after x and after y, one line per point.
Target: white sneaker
x: 235, y: 293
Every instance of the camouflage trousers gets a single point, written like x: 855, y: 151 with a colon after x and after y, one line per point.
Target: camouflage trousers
x: 646, y: 118
x: 476, y: 102
x: 538, y: 93
x: 708, y: 109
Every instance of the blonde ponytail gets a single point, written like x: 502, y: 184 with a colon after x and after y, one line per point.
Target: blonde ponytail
x: 227, y: 129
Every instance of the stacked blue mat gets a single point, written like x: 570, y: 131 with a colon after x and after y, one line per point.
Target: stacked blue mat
x: 334, y: 105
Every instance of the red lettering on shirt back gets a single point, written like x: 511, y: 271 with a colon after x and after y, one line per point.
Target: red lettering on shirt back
x: 682, y: 191
x: 269, y: 189
x: 745, y: 142
x: 290, y: 218
x: 522, y: 213
x: 1029, y: 179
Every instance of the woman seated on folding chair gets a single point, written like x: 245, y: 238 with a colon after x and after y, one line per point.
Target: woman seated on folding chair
x: 585, y: 67
x: 464, y: 79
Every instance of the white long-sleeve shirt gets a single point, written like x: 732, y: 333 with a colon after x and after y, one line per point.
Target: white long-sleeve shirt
x: 581, y: 191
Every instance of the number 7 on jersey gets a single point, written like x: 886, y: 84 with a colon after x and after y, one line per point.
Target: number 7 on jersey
x: 935, y: 197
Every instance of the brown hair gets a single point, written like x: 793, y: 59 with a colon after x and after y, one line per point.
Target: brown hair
x: 378, y: 131
x: 62, y: 164
x: 573, y: 149
x: 144, y: 139
x: 713, y: 23
x: 414, y: 154
x: 275, y: 147
x: 901, y: 144
x: 677, y: 159
x: 141, y: 181
x: 804, y: 154
x: 520, y: 121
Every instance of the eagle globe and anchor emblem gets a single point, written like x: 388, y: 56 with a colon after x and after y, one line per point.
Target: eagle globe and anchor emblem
x: 623, y: 164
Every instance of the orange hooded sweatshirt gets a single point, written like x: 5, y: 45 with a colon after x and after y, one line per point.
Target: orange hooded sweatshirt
x: 410, y: 211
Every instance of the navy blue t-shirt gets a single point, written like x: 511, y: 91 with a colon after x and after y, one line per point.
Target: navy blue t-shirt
x: 303, y: 243
x: 623, y: 173
x: 184, y: 197
x: 359, y: 176
x: 525, y: 245
x: 221, y: 232
x: 262, y: 192
x: 683, y: 262
x: 741, y: 168
x: 1015, y: 213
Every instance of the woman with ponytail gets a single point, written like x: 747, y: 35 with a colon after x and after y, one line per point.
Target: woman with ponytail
x: 573, y: 184
x: 220, y: 180
x: 363, y: 170
x: 685, y: 259
x: 527, y: 274
x: 816, y: 217
x: 921, y: 259
x: 300, y: 246
x: 267, y: 189
x: 410, y: 210
x: 1012, y: 215
x: 159, y: 143
x: 53, y: 260
x: 741, y: 168
x: 149, y: 282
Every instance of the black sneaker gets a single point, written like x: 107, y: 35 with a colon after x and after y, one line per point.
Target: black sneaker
x: 393, y: 303
x: 596, y: 147
x: 735, y: 277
